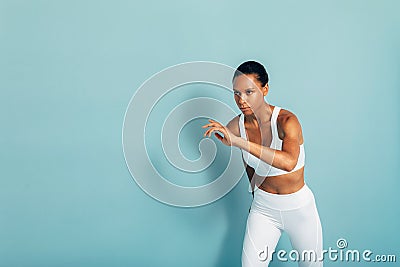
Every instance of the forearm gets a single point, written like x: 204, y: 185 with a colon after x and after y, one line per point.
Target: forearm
x: 277, y: 158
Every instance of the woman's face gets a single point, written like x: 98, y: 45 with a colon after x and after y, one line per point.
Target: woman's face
x: 249, y: 94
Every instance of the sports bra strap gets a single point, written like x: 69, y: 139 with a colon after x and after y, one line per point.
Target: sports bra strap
x: 242, y: 129
x: 275, y: 135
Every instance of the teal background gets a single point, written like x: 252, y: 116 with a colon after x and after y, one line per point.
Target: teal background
x: 69, y: 68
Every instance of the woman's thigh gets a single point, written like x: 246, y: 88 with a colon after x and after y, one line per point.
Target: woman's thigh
x: 304, y: 229
x: 261, y: 236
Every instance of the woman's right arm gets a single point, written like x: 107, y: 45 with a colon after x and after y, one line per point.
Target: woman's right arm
x: 233, y: 126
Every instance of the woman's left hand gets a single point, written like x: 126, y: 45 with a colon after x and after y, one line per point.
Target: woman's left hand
x: 228, y: 137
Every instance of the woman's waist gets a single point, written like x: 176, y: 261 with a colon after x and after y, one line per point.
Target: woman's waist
x: 283, y: 184
x: 294, y: 197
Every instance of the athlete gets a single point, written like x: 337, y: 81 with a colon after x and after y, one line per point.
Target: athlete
x: 272, y: 146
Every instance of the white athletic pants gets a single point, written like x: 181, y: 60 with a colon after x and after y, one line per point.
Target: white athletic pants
x: 270, y: 214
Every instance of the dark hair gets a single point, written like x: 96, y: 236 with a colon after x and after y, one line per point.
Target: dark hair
x: 252, y: 67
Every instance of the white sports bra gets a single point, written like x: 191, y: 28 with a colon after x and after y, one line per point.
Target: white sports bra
x: 260, y: 167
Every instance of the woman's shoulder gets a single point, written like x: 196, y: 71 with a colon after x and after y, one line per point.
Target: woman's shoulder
x: 286, y: 116
x: 289, y: 124
x: 233, y: 125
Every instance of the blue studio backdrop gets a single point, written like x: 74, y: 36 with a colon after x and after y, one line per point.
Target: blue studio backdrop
x: 68, y: 70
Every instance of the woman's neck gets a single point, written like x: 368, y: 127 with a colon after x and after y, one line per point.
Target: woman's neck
x: 260, y: 116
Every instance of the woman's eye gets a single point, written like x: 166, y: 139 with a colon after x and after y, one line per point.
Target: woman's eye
x: 249, y: 92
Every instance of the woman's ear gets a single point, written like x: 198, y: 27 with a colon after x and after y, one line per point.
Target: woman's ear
x: 265, y: 89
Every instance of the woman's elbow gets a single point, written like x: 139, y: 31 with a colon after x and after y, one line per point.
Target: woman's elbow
x: 290, y: 165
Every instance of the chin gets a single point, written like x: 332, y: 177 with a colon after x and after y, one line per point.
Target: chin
x: 247, y: 112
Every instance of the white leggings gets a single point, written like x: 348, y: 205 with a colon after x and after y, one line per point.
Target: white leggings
x: 270, y: 214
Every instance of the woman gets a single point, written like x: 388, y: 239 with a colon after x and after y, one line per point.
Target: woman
x: 272, y: 146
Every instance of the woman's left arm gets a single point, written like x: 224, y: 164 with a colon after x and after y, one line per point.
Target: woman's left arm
x: 285, y: 159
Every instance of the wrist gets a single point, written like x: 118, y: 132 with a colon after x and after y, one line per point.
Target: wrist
x: 239, y: 142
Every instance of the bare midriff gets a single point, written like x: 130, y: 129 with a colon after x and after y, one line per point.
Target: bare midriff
x: 281, y: 184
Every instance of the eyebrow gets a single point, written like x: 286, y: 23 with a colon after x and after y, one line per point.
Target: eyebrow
x: 244, y: 89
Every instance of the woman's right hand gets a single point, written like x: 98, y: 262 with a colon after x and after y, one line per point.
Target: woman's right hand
x: 227, y: 138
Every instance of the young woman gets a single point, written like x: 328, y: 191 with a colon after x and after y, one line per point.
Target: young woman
x: 272, y: 146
